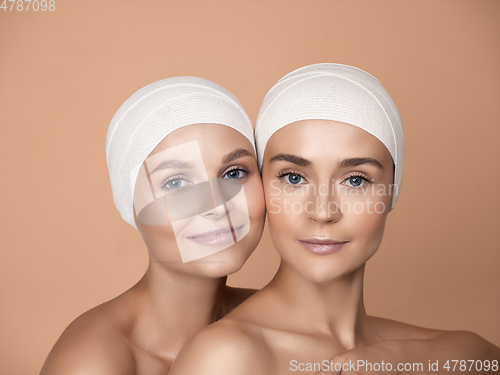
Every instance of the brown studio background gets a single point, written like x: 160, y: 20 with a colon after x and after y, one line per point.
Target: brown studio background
x: 63, y: 74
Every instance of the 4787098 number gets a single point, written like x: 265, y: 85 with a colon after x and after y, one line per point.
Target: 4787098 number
x: 469, y: 365
x: 25, y: 5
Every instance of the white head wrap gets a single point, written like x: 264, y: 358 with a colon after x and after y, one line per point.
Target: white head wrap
x: 154, y: 112
x: 334, y: 92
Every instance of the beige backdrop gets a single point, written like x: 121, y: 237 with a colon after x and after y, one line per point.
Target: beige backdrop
x: 63, y: 74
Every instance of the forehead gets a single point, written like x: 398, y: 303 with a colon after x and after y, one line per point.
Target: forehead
x: 326, y: 139
x: 212, y: 139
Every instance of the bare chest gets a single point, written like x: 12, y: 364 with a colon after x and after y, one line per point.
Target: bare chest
x: 148, y: 364
x: 299, y: 354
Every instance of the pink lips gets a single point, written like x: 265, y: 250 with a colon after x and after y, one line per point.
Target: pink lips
x: 215, y: 237
x: 322, y: 246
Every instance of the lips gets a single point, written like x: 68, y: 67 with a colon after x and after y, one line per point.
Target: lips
x: 216, y: 236
x: 322, y: 246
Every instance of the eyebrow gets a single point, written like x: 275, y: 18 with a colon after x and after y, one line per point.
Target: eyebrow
x: 350, y: 162
x: 180, y: 164
x: 236, y: 154
x: 295, y: 159
x: 173, y: 164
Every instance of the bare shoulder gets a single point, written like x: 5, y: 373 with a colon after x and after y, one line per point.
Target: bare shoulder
x: 91, y: 344
x: 459, y: 344
x: 225, y: 347
x: 394, y: 330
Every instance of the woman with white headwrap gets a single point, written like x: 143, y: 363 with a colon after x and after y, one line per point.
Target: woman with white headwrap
x: 330, y: 144
x: 182, y: 165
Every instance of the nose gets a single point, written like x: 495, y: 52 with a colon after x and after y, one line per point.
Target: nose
x: 223, y: 192
x: 324, y: 208
x: 216, y: 213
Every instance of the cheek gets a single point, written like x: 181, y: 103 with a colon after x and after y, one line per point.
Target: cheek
x: 180, y: 227
x: 365, y: 214
x: 162, y: 243
x: 369, y: 228
x: 285, y: 210
x: 254, y: 195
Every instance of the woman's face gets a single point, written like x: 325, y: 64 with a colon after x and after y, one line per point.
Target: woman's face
x: 210, y: 208
x: 327, y: 188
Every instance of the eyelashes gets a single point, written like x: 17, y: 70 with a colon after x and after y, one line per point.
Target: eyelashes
x: 296, y: 179
x: 176, y: 182
x: 235, y: 172
x: 358, y: 180
x: 292, y: 178
x: 180, y: 181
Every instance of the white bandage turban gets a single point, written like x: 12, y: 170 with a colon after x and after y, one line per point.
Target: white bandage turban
x: 154, y: 112
x: 334, y: 92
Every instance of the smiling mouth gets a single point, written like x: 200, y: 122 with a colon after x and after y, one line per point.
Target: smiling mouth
x: 216, y: 236
x: 321, y: 246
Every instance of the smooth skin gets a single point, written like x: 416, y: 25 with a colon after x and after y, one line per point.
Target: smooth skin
x: 313, y: 308
x: 142, y: 330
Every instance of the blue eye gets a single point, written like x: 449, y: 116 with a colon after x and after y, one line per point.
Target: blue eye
x: 235, y: 174
x: 357, y: 181
x: 293, y: 178
x: 175, y: 184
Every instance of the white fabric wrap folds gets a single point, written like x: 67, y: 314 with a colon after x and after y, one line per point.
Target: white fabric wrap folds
x: 333, y: 92
x: 154, y: 112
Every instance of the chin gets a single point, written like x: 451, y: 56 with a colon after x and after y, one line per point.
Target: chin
x: 225, y: 262
x: 326, y: 277
x: 322, y: 269
x: 232, y: 259
x: 317, y: 271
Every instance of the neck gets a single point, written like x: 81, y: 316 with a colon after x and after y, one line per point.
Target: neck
x: 172, y: 306
x: 334, y: 308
